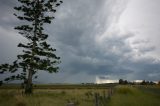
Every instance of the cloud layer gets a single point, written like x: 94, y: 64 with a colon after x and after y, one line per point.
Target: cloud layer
x: 90, y: 43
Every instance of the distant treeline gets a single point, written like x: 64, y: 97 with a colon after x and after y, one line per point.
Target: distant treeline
x: 144, y: 82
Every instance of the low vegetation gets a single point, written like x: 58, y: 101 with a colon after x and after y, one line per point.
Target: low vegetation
x: 123, y: 95
x: 136, y: 96
x: 49, y: 97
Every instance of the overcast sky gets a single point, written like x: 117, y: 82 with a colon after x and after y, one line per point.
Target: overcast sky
x: 113, y: 38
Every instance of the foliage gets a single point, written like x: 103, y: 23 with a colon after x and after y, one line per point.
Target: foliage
x: 147, y: 83
x: 158, y: 82
x: 37, y: 54
x: 121, y: 81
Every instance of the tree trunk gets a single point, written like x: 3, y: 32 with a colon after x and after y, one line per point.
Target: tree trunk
x: 28, y: 87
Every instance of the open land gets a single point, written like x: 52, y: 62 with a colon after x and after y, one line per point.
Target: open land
x: 82, y: 95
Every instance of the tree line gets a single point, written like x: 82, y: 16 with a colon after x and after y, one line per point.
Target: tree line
x: 144, y: 82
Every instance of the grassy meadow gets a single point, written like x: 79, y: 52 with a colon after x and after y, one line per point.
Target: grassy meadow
x: 136, y: 96
x: 81, y: 95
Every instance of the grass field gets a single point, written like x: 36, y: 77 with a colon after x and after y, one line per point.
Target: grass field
x: 48, y: 97
x: 81, y: 96
x: 136, y: 96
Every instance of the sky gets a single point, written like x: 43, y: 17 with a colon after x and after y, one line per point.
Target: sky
x: 111, y: 38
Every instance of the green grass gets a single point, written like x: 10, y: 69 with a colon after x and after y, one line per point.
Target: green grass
x: 48, y: 97
x: 61, y: 86
x: 135, y: 96
x: 82, y: 96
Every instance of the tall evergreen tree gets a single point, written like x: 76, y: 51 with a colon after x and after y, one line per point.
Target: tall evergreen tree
x: 37, y: 54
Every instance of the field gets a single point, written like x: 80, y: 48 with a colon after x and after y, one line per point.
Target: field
x: 81, y: 95
x: 136, y: 96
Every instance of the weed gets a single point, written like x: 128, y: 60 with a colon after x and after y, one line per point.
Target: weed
x: 20, y: 100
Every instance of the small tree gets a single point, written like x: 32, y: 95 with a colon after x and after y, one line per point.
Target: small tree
x: 125, y: 82
x: 158, y: 82
x: 37, y: 54
x: 143, y: 82
x: 121, y: 81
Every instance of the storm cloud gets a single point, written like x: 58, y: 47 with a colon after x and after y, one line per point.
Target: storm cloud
x: 90, y: 43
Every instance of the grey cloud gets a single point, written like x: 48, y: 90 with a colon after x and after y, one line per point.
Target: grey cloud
x: 6, y: 17
x: 9, y: 38
x: 74, y: 34
x: 76, y: 41
x: 143, y: 46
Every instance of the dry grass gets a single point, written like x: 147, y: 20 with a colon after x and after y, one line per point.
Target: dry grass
x: 133, y: 96
x: 123, y: 96
x: 49, y: 97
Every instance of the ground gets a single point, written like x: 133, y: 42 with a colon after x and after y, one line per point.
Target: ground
x: 82, y: 95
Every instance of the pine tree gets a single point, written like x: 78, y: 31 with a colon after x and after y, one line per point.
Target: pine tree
x: 37, y: 54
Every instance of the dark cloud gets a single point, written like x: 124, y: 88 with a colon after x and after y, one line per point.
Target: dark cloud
x: 6, y: 17
x: 76, y: 38
x: 89, y: 45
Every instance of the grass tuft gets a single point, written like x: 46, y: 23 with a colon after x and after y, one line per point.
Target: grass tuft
x: 125, y: 90
x: 20, y: 100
